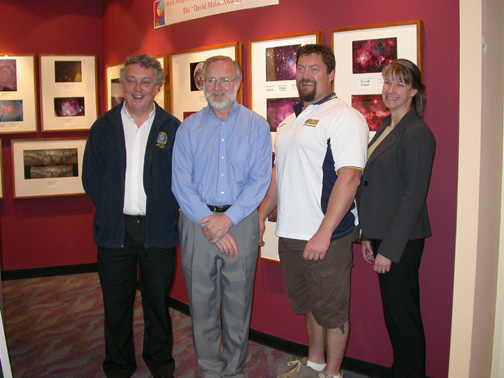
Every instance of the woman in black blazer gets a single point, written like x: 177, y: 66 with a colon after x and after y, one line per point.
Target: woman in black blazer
x: 393, y: 212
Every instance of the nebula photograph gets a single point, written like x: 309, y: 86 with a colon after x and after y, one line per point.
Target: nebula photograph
x: 11, y: 110
x: 372, y: 108
x: 371, y: 55
x: 279, y: 109
x: 69, y: 106
x: 50, y: 163
x: 68, y: 71
x: 196, y: 77
x: 8, y: 75
x: 281, y: 63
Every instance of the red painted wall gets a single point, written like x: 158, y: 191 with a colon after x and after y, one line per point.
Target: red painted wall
x: 46, y: 232
x: 57, y: 231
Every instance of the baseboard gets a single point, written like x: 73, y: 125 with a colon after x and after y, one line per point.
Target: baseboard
x: 350, y: 364
x: 48, y: 272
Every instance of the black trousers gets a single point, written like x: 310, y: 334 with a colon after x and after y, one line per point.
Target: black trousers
x: 117, y: 269
x: 400, y: 293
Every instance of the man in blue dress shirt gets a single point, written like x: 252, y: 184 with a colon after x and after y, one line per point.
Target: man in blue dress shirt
x: 221, y: 172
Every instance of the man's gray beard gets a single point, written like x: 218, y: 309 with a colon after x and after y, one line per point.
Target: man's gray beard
x: 220, y: 105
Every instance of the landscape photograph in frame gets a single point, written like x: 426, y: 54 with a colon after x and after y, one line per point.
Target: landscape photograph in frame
x: 50, y: 163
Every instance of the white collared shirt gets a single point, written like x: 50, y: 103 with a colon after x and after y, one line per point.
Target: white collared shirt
x: 135, y: 199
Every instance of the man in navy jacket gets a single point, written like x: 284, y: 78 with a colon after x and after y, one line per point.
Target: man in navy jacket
x: 127, y: 174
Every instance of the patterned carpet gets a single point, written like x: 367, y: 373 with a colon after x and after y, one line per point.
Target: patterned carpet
x: 54, y: 328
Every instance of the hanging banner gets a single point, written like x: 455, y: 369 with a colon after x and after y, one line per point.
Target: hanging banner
x: 167, y: 12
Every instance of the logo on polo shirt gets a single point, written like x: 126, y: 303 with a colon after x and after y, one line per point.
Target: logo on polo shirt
x: 311, y: 122
x: 162, y: 139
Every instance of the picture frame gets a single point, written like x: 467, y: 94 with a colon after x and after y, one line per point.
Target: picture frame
x: 362, y: 52
x: 272, y: 71
x: 69, y: 100
x: 48, y: 167
x: 115, y: 88
x: 18, y: 99
x: 186, y: 92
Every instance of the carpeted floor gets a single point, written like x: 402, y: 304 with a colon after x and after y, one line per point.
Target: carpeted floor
x: 54, y: 328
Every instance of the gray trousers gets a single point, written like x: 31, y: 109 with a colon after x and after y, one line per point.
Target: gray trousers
x: 213, y: 279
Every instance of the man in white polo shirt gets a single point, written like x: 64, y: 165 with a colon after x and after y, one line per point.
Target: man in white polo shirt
x: 320, y: 155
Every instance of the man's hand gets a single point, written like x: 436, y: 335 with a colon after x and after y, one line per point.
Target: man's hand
x: 262, y: 228
x: 215, y: 227
x: 316, y: 248
x: 227, y: 245
x: 381, y: 264
x: 367, y: 251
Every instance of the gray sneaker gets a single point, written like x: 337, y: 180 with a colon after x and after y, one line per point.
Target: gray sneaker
x: 300, y: 370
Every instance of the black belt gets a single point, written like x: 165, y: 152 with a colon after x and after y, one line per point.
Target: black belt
x: 137, y: 218
x: 219, y: 209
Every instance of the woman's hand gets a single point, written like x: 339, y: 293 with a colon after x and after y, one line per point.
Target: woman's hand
x: 381, y: 264
x: 367, y: 251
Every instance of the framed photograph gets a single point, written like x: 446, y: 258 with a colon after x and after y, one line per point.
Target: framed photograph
x: 186, y: 94
x: 1, y: 173
x: 362, y: 52
x: 273, y: 75
x: 18, y: 104
x: 47, y: 168
x: 115, y: 89
x: 68, y: 92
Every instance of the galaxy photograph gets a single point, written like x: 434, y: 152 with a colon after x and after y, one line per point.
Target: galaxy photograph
x: 68, y: 71
x: 281, y: 63
x: 371, y: 55
x: 8, y: 75
x: 372, y: 108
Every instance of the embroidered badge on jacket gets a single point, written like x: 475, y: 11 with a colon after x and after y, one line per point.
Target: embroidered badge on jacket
x: 162, y: 139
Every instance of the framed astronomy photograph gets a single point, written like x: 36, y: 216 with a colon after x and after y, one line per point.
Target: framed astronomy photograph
x: 361, y: 54
x: 186, y: 94
x: 115, y: 89
x: 68, y: 92
x: 18, y: 104
x: 273, y: 75
x: 47, y: 168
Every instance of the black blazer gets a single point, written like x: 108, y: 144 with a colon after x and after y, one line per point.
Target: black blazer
x: 393, y: 190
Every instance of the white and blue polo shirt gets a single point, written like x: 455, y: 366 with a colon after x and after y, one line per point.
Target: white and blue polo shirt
x: 310, y: 147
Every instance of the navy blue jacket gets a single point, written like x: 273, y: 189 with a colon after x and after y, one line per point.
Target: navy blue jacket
x: 104, y: 172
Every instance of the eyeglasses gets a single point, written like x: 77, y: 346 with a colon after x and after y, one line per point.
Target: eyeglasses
x: 224, y: 81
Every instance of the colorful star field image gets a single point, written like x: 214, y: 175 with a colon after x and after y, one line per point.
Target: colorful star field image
x: 8, y: 77
x: 279, y: 109
x: 370, y: 56
x: 281, y: 63
x: 372, y: 108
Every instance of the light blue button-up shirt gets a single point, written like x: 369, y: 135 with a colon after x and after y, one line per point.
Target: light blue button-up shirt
x: 220, y: 163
